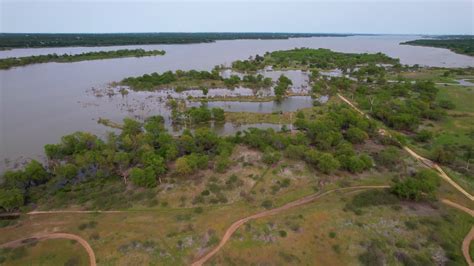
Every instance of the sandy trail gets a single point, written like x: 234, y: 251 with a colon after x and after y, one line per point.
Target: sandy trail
x: 465, y: 247
x: 427, y: 162
x: 442, y: 173
x: 458, y: 206
x: 285, y: 207
x: 470, y: 236
x: 45, y: 236
x: 422, y: 159
x: 61, y: 212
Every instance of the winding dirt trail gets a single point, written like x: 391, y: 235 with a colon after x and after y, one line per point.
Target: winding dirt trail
x: 430, y: 164
x: 440, y: 171
x: 92, y: 260
x: 458, y: 206
x: 465, y: 247
x: 420, y: 158
x: 470, y: 236
x: 41, y: 237
x: 285, y: 207
x: 305, y: 200
x: 62, y: 212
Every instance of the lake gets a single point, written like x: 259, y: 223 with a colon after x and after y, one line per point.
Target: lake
x: 40, y: 103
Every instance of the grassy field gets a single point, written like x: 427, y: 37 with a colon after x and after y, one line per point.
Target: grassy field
x: 456, y: 129
x: 276, y: 118
x: 175, y: 223
x: 326, y: 233
x: 183, y: 218
x: 48, y: 252
x: 178, y: 228
x: 434, y: 74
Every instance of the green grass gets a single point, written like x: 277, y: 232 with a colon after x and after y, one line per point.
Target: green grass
x: 272, y: 118
x: 411, y: 230
x: 48, y: 252
x: 456, y: 129
x: 434, y: 74
x: 462, y: 96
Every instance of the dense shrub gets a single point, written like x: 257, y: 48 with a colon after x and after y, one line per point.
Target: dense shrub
x: 143, y: 177
x: 422, y: 184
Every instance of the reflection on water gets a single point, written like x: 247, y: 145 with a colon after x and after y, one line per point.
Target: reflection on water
x: 464, y: 82
x: 42, y: 102
x: 226, y: 129
x: 288, y: 104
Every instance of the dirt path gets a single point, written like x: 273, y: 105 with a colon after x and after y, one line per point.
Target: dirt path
x: 305, y: 200
x: 470, y: 236
x: 41, y: 237
x: 458, y: 206
x: 440, y: 171
x: 285, y: 207
x: 465, y: 247
x: 61, y: 212
x: 422, y: 159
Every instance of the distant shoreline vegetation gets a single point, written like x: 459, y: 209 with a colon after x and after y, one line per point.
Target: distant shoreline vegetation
x: 298, y: 58
x: 458, y: 44
x: 36, y: 40
x: 66, y: 58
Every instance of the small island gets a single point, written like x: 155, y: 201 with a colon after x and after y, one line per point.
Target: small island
x: 8, y: 63
x: 457, y: 44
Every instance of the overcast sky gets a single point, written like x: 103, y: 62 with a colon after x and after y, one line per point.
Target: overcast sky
x: 328, y: 16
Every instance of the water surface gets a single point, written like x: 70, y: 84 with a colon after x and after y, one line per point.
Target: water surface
x: 40, y: 103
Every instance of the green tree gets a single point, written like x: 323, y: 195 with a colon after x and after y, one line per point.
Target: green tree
x: 143, y: 177
x: 186, y: 143
x: 35, y: 172
x: 295, y: 151
x: 356, y: 135
x: 424, y: 183
x: 357, y: 164
x: 282, y: 86
x: 11, y: 199
x: 199, y: 114
x: 154, y: 161
x: 444, y: 154
x: 389, y: 157
x: 183, y: 167
x: 218, y: 114
x: 53, y: 151
x: 68, y: 171
x: 232, y: 81
x: 15, y: 179
x: 327, y: 163
x: 155, y: 125
x: 131, y: 127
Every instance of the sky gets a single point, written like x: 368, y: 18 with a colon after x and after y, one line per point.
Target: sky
x: 317, y: 16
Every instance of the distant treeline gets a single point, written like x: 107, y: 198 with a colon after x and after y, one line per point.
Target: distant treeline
x: 458, y: 44
x: 24, y: 40
x: 65, y: 58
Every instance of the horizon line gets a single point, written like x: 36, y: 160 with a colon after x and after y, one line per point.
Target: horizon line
x: 245, y: 32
